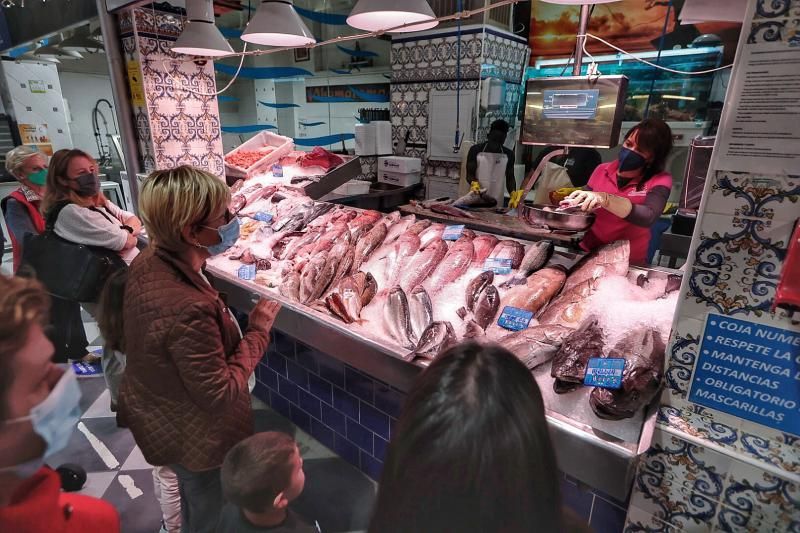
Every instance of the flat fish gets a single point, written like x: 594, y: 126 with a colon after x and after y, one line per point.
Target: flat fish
x: 422, y: 264
x: 419, y: 226
x: 369, y: 243
x: 436, y: 338
x: 453, y: 266
x: 535, y: 345
x: 569, y: 363
x: 431, y: 234
x: 476, y: 286
x: 421, y: 310
x: 487, y: 306
x: 509, y: 249
x: 643, y: 351
x: 397, y: 318
x: 399, y: 228
x: 609, y: 260
x: 402, y: 251
x: 570, y: 307
x: 484, y: 244
x: 535, y: 258
x: 537, y: 291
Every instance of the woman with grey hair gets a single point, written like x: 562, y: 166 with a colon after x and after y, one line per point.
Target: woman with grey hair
x: 22, y: 212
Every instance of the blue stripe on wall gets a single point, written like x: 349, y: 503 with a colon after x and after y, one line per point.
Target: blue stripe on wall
x: 356, y: 53
x: 276, y: 105
x: 310, y: 124
x: 331, y: 19
x: 248, y: 129
x: 369, y: 97
x: 262, y: 73
x: 324, y: 140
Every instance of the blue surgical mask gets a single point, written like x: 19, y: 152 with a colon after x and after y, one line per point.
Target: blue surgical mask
x: 228, y: 234
x: 630, y: 160
x: 53, y: 420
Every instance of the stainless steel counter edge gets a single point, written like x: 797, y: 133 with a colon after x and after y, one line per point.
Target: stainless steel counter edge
x: 602, y: 463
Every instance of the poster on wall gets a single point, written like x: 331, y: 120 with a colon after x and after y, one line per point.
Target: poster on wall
x: 135, y: 83
x: 36, y: 135
x: 763, y: 135
x: 365, y: 92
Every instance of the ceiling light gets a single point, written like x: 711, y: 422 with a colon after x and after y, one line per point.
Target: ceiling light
x: 200, y: 37
x: 52, y: 51
x: 377, y: 15
x: 276, y: 23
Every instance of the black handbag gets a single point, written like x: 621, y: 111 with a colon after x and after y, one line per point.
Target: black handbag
x: 68, y: 270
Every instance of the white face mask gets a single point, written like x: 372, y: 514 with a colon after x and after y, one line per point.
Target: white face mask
x: 54, y: 420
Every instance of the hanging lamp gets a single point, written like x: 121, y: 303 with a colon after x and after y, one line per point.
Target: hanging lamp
x: 377, y: 15
x: 276, y: 23
x: 200, y: 37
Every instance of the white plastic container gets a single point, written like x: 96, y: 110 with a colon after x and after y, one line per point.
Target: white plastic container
x: 282, y: 145
x: 403, y: 179
x: 352, y: 187
x: 365, y: 139
x: 400, y: 165
x: 383, y: 137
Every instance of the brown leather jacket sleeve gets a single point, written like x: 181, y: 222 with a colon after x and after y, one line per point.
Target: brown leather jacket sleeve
x: 195, y: 344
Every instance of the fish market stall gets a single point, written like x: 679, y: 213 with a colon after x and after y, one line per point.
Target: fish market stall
x: 387, y: 293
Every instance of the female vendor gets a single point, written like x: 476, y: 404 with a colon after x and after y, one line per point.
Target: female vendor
x: 628, y: 194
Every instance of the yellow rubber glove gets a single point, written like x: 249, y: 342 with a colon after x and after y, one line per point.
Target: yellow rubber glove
x: 475, y: 186
x: 516, y: 197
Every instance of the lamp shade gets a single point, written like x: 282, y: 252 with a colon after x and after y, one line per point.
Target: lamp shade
x: 54, y: 52
x: 200, y: 37
x: 276, y: 23
x: 81, y: 43
x: 376, y: 15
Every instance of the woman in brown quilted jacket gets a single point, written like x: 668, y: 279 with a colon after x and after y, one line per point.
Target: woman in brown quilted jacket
x: 184, y: 393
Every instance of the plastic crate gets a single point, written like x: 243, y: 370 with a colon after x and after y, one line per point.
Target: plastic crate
x: 283, y: 145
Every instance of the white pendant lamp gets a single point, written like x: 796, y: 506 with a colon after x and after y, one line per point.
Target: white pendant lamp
x: 54, y: 52
x: 276, y: 23
x: 377, y: 15
x: 81, y: 43
x: 200, y: 37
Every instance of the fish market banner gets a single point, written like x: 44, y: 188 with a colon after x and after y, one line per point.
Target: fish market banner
x: 365, y: 92
x: 749, y: 370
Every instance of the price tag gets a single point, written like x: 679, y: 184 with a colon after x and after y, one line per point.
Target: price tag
x: 263, y: 217
x: 247, y: 272
x: 277, y: 170
x: 498, y: 265
x: 514, y: 319
x: 604, y: 372
x: 452, y: 233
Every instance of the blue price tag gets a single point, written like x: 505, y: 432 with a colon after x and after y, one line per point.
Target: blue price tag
x: 277, y: 170
x: 514, y: 318
x: 247, y: 272
x: 606, y: 373
x: 452, y: 233
x: 498, y: 265
x: 263, y: 217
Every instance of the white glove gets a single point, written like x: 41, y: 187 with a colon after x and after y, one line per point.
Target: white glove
x: 591, y: 200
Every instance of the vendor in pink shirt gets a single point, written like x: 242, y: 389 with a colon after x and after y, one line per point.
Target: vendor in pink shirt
x: 629, y: 194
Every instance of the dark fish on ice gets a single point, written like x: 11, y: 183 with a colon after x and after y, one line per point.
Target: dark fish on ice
x: 476, y: 286
x: 535, y: 258
x: 509, y: 249
x: 397, y: 318
x: 535, y: 345
x: 569, y: 363
x: 486, y: 307
x: 438, y: 337
x: 315, y: 278
x: 345, y: 264
x: 643, y: 351
x: 609, y: 260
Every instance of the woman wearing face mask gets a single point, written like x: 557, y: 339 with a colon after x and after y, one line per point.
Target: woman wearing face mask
x: 184, y: 393
x: 629, y: 194
x: 82, y: 213
x: 39, y: 408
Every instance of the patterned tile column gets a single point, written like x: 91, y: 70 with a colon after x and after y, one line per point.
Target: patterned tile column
x: 176, y: 112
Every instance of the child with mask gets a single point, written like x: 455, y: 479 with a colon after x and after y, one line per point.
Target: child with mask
x: 39, y: 408
x: 260, y: 477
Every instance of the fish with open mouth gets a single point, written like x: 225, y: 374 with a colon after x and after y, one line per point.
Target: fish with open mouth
x: 436, y: 338
x: 535, y: 258
x: 535, y: 345
x: 420, y: 310
x: 397, y: 318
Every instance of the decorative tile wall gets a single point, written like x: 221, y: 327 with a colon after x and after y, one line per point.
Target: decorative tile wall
x: 175, y: 126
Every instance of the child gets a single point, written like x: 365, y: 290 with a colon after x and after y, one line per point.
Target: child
x: 109, y: 321
x: 260, y: 477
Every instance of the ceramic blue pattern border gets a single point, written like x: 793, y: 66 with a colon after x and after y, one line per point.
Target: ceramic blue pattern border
x: 682, y: 357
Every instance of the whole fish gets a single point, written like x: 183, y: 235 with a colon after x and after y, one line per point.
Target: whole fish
x: 535, y: 345
x: 399, y: 228
x: 436, y: 338
x: 397, y: 318
x: 609, y: 260
x: 569, y: 362
x: 449, y: 210
x: 467, y: 233
x: 486, y: 307
x: 367, y: 286
x: 454, y: 264
x: 335, y: 235
x: 484, y: 244
x: 570, y: 307
x: 294, y: 246
x: 537, y: 291
x: 421, y: 310
x: 368, y: 244
x: 350, y: 296
x: 365, y: 217
x: 419, y: 226
x: 291, y: 285
x: 431, y: 234
x: 392, y: 218
x: 315, y: 278
x: 328, y: 218
x: 344, y: 215
x: 476, y: 286
x: 422, y: 264
x: 535, y: 258
x: 345, y: 264
x: 476, y: 199
x: 397, y: 259
x: 319, y: 209
x: 509, y: 249
x: 643, y: 351
x: 338, y: 251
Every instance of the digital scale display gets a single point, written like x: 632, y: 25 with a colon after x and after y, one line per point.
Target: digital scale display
x: 570, y: 104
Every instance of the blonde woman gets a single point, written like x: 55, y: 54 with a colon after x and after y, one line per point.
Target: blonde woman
x: 184, y: 393
x: 82, y: 213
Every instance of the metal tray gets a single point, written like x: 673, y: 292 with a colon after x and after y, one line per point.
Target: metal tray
x: 536, y: 215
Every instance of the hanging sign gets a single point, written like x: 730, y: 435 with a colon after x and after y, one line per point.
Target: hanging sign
x: 749, y: 370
